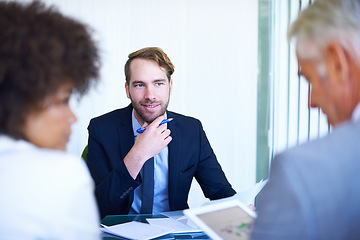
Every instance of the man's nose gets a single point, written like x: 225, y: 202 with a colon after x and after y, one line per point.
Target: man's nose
x: 311, y: 100
x: 150, y: 93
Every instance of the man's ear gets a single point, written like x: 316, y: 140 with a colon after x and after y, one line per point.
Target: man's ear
x: 127, y: 90
x: 171, y: 84
x: 337, y: 62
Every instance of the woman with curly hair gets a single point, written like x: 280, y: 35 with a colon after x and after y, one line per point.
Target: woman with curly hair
x: 44, y: 58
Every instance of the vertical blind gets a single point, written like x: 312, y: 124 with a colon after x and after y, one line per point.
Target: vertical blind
x: 290, y: 121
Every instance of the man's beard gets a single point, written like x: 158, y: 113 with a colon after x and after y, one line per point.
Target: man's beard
x: 143, y: 115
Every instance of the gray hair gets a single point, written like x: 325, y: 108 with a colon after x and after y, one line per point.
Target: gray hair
x: 325, y: 21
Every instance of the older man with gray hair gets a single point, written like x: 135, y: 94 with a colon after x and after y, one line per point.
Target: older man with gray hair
x: 313, y: 191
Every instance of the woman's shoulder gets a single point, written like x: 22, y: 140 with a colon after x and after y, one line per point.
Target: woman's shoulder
x: 27, y: 161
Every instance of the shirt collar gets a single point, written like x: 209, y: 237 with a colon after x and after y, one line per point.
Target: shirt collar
x: 9, y: 143
x: 356, y: 113
x: 135, y: 124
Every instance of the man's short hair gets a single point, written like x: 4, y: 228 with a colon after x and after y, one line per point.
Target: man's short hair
x: 328, y: 20
x: 150, y: 53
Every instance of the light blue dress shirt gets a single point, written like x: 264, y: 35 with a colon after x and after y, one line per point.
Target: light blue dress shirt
x: 161, y: 176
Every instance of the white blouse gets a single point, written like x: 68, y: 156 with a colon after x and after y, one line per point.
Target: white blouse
x: 45, y: 194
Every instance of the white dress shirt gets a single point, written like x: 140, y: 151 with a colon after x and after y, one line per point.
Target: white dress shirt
x: 356, y: 113
x: 45, y: 194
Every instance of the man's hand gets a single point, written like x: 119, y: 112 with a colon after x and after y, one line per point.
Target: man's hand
x: 147, y: 145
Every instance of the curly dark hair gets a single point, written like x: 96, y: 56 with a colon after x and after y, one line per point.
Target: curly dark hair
x: 40, y: 50
x: 150, y: 53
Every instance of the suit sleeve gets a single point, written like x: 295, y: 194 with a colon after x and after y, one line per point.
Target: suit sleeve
x: 209, y: 174
x: 113, y: 184
x: 283, y: 204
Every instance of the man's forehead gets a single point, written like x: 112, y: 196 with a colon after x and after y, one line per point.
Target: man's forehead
x: 145, y: 61
x: 308, y: 50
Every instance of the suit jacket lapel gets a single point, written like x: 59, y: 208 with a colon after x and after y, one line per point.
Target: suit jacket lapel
x: 126, y: 137
x: 125, y: 132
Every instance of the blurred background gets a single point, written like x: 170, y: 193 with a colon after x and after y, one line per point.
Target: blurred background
x: 234, y: 70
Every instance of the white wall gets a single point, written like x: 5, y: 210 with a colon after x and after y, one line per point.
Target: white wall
x: 213, y: 45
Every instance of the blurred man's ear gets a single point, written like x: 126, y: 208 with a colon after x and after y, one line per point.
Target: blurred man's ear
x: 337, y: 62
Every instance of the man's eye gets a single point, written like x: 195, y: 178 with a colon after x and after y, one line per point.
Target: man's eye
x: 159, y: 84
x: 139, y: 85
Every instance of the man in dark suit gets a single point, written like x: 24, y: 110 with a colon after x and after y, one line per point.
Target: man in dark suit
x: 179, y: 149
x: 313, y: 191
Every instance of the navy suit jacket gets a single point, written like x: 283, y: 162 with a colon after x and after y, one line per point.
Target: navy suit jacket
x: 190, y: 155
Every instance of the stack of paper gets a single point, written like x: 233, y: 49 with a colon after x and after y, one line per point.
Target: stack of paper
x: 136, y: 230
x: 176, y: 225
x: 246, y: 197
x: 157, y: 227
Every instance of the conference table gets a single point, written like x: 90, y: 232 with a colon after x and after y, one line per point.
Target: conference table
x: 118, y: 219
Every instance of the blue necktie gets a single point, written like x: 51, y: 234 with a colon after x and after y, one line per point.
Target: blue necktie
x: 147, y: 187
